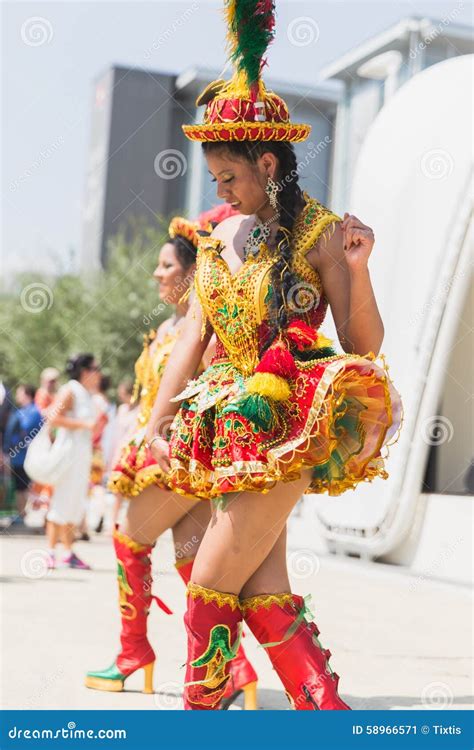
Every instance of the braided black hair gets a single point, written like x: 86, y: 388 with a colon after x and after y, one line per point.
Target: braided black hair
x: 290, y: 203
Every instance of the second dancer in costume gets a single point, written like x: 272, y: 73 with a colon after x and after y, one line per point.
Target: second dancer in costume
x: 137, y: 476
x: 278, y: 412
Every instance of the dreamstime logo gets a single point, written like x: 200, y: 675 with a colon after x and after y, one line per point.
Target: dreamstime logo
x: 24, y: 443
x: 36, y: 297
x: 437, y: 695
x: 302, y: 297
x: 435, y: 31
x: 303, y: 563
x: 445, y: 554
x: 303, y: 31
x: 313, y: 150
x: 168, y: 696
x: 180, y: 288
x: 170, y: 163
x: 46, y: 684
x: 166, y: 35
x: 163, y: 426
x: 182, y: 550
x: 437, y: 164
x: 34, y: 564
x: 46, y: 153
x: 36, y: 31
x: 438, y: 298
x: 158, y: 310
x: 437, y: 430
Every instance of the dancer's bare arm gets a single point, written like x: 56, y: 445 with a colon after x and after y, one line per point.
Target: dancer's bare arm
x: 190, y: 348
x: 56, y: 413
x: 341, y: 257
x: 182, y: 364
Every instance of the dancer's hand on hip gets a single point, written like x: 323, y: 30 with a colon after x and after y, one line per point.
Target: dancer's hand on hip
x: 160, y: 451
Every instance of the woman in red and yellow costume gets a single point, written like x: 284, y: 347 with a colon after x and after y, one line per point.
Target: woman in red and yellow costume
x: 153, y: 508
x: 277, y: 413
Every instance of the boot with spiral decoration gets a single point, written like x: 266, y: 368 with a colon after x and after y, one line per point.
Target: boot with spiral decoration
x: 279, y: 622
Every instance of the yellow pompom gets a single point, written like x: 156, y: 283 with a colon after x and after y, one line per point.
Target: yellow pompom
x: 269, y: 385
x: 323, y: 340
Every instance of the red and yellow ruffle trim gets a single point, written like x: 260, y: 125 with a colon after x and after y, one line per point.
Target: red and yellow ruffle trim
x: 354, y: 413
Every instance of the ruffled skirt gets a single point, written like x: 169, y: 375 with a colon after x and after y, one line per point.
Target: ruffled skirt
x: 136, y: 469
x: 342, y: 412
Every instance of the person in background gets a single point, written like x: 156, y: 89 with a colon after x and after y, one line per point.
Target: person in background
x: 40, y: 494
x: 122, y: 428
x: 73, y: 410
x: 101, y: 441
x: 6, y: 407
x: 125, y: 420
x: 22, y: 426
x: 102, y: 438
x: 48, y: 387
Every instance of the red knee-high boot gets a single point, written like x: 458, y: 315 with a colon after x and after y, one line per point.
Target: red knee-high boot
x: 213, y: 623
x: 243, y: 677
x: 278, y: 622
x: 135, y: 597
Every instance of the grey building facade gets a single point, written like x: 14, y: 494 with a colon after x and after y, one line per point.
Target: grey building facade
x: 141, y: 165
x: 135, y: 121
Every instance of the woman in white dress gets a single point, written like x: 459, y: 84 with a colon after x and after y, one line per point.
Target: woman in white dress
x: 73, y: 414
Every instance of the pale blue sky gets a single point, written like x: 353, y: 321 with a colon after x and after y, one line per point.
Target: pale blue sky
x: 48, y: 88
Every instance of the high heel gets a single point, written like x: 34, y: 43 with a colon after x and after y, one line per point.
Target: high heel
x: 250, y: 696
x: 113, y: 681
x: 135, y: 597
x: 243, y: 679
x: 249, y: 692
x: 148, y: 673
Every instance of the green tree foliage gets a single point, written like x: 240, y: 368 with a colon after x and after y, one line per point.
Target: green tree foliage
x: 43, y: 320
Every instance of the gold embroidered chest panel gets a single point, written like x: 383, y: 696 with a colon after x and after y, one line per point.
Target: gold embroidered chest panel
x: 149, y: 369
x: 236, y: 305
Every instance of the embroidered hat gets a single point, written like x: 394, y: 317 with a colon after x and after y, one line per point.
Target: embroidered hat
x: 242, y: 109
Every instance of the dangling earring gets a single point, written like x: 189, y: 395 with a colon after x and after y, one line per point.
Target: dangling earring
x: 261, y: 232
x: 271, y: 189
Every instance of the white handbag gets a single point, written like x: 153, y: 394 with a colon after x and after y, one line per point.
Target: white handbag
x: 46, y: 461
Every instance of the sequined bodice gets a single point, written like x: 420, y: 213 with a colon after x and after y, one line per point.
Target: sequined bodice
x: 148, y: 371
x: 238, y: 305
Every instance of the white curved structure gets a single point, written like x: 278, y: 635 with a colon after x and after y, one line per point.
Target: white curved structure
x: 413, y: 186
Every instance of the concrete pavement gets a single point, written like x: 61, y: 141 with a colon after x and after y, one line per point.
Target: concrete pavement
x: 398, y: 641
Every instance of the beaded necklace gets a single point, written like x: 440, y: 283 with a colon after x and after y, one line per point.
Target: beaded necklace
x: 258, y: 235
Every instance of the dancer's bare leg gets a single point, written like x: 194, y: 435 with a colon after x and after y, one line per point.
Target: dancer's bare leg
x: 241, y: 535
x: 241, y: 554
x: 189, y: 531
x: 153, y: 512
x: 118, y: 500
x: 272, y: 575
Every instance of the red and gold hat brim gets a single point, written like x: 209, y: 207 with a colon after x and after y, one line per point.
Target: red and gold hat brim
x: 247, y: 131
